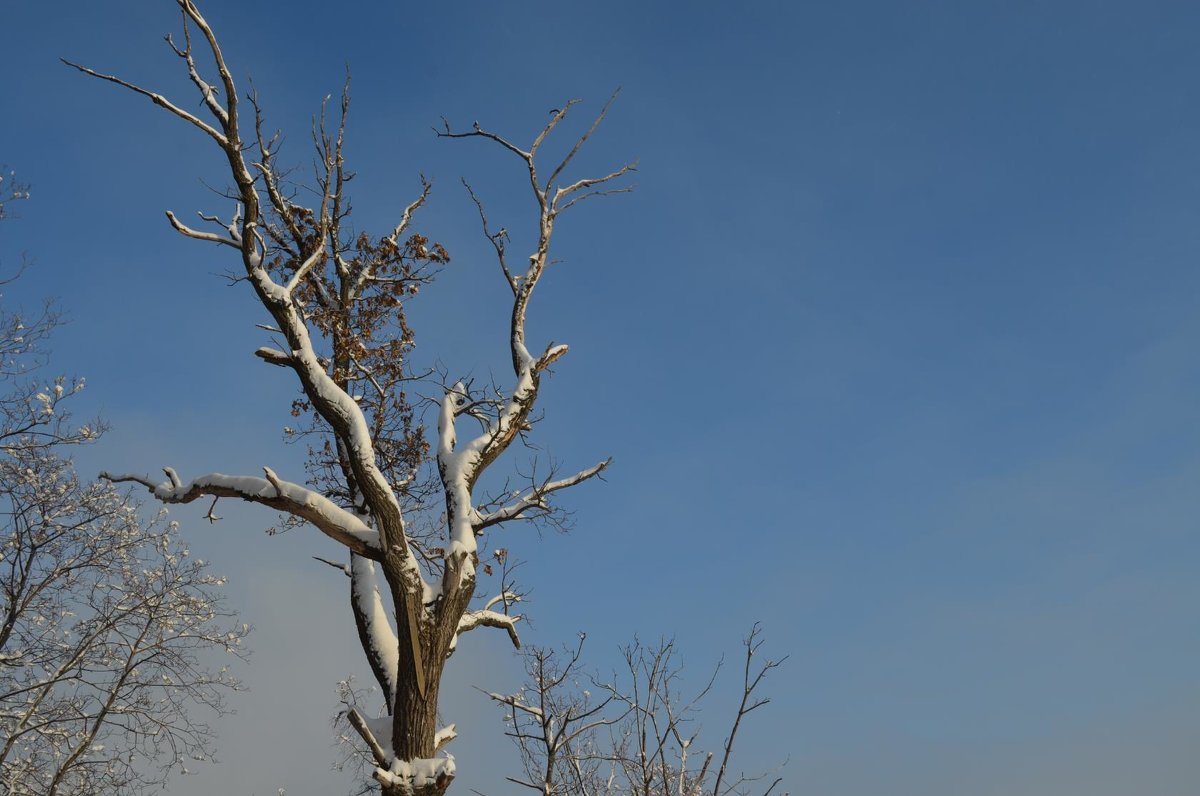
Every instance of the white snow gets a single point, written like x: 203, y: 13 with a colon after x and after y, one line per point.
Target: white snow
x: 266, y: 488
x: 380, y: 636
x: 417, y: 773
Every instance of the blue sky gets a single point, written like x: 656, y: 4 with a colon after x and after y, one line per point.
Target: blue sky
x: 894, y: 347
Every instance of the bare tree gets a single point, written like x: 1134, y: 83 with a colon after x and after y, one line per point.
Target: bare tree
x: 335, y: 299
x: 105, y: 620
x: 632, y: 734
x: 10, y: 190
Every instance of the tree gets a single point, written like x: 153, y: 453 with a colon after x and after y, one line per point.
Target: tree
x: 630, y: 734
x: 106, y: 619
x: 10, y: 191
x: 336, y: 301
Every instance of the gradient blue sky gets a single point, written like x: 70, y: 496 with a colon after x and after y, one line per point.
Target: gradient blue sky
x: 895, y: 348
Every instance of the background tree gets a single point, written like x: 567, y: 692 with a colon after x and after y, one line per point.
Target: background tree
x: 106, y: 622
x: 630, y: 733
x: 335, y: 297
x: 10, y: 190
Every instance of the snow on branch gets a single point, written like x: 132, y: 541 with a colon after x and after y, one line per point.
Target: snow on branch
x: 157, y: 99
x: 329, y: 518
x: 487, y: 618
x: 516, y: 702
x: 533, y: 502
x: 580, y: 185
x: 207, y: 91
x: 328, y: 289
x: 376, y: 745
x: 444, y: 736
x: 461, y: 464
x: 212, y: 237
x: 374, y: 630
x: 313, y: 231
x: 377, y: 734
x: 273, y: 356
x: 412, y: 775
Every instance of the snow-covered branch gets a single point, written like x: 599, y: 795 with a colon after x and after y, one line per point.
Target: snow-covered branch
x: 461, y: 462
x: 505, y: 597
x: 359, y: 723
x: 409, y: 776
x: 322, y: 389
x: 374, y: 629
x: 207, y: 91
x: 157, y: 99
x: 274, y: 357
x: 212, y: 237
x: 526, y: 368
x: 486, y: 618
x: 329, y: 518
x: 444, y: 736
x: 534, y: 500
x: 516, y: 702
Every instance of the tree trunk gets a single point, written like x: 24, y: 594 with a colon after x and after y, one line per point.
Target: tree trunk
x: 414, y: 714
x: 414, y: 727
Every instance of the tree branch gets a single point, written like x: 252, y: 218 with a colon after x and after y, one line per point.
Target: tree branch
x: 329, y: 518
x: 498, y: 240
x: 514, y: 701
x: 485, y: 618
x: 375, y: 632
x: 582, y: 139
x: 535, y: 499
x: 207, y: 91
x: 212, y: 237
x: 157, y: 99
x: 274, y: 356
x: 750, y: 682
x: 382, y: 758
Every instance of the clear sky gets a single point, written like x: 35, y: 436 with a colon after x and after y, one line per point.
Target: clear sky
x: 895, y: 348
